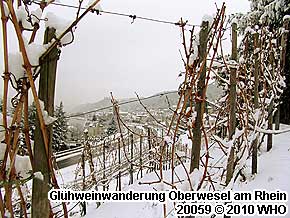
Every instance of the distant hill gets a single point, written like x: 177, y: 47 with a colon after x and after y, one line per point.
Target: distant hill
x: 158, y: 102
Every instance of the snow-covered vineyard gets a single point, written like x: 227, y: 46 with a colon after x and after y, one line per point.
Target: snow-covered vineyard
x: 234, y: 138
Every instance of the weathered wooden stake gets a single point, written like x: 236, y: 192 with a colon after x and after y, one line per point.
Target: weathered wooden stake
x: 40, y: 203
x: 232, y: 103
x: 270, y: 126
x: 200, y: 103
x: 88, y: 150
x: 270, y: 111
x: 104, y: 166
x: 141, y: 140
x: 149, y: 147
x: 132, y: 157
x: 167, y: 157
x: 84, y: 206
x: 256, y: 102
x: 277, y: 118
x: 284, y: 114
x: 128, y: 141
x: 233, y: 84
x: 119, y: 161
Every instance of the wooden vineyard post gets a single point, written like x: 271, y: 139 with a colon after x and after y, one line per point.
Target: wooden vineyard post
x: 284, y: 57
x: 256, y: 102
x: 132, y: 157
x: 168, y: 157
x: 164, y: 160
x: 270, y: 111
x: 277, y: 118
x: 150, y: 152
x: 200, y: 103
x: 141, y: 140
x: 232, y: 104
x: 83, y: 204
x: 166, y: 166
x: 270, y: 126
x: 119, y: 161
x: 233, y: 83
x: 104, y: 166
x: 83, y: 166
x: 186, y: 152
x: 128, y: 141
x: 88, y: 152
x: 40, y: 203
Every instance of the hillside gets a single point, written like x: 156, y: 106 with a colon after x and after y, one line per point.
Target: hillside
x: 158, y: 102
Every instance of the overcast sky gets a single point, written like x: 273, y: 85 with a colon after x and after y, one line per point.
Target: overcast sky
x: 111, y: 54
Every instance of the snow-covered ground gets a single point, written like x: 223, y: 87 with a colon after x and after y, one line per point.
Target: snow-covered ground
x: 273, y: 168
x: 272, y: 174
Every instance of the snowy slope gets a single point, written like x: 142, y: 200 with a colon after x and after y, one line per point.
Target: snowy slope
x: 273, y: 173
x: 273, y: 168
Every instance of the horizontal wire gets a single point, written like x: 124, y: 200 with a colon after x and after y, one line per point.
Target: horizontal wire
x: 124, y: 15
x: 122, y: 103
x: 121, y: 14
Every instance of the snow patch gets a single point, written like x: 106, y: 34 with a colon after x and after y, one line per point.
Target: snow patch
x: 168, y: 140
x: 15, y: 65
x: 60, y: 25
x: 249, y: 30
x: 23, y: 166
x: 38, y: 175
x: 34, y: 52
x: 22, y: 17
x: 36, y: 15
x: 47, y: 119
x: 286, y: 17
